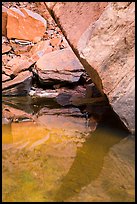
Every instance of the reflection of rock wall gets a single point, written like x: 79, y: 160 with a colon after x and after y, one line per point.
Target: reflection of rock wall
x: 103, y: 170
x: 107, y: 45
x: 7, y: 134
x: 52, y: 125
x: 63, y: 157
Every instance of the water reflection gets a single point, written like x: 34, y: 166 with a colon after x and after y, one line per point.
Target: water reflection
x: 88, y: 161
x: 54, y: 157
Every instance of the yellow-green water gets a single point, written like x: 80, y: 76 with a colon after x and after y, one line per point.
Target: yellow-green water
x: 47, y: 161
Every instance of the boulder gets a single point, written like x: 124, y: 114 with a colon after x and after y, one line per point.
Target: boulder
x: 26, y: 25
x: 108, y: 47
x: 60, y: 65
x: 75, y: 17
x: 19, y: 64
x: 39, y: 49
x: 4, y: 20
x: 104, y: 42
x: 19, y: 86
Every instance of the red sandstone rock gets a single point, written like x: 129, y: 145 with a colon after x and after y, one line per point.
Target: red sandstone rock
x: 19, y: 64
x: 14, y: 113
x: 55, y: 41
x: 4, y: 20
x: 20, y: 48
x: 26, y: 25
x: 5, y: 48
x: 60, y: 65
x: 109, y: 47
x: 40, y: 49
x: 103, y: 35
x: 19, y: 86
x: 75, y: 17
x: 60, y: 60
x: 5, y: 78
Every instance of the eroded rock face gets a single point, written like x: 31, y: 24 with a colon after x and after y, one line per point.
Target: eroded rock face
x: 59, y: 65
x: 110, y: 51
x: 105, y: 43
x: 75, y: 17
x: 26, y: 25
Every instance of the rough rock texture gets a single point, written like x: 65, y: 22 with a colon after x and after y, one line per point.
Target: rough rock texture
x: 59, y: 65
x: 5, y: 77
x: 75, y: 17
x: 19, y: 64
x: 106, y: 44
x: 26, y: 25
x: 19, y: 86
x: 110, y: 51
x: 5, y: 48
x: 4, y: 20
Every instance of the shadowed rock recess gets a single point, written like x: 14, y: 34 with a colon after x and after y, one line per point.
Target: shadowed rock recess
x: 104, y: 39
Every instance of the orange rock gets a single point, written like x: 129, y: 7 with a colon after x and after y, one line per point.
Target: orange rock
x: 19, y: 64
x: 5, y: 48
x: 55, y: 41
x: 25, y: 24
x: 4, y: 20
x: 40, y: 49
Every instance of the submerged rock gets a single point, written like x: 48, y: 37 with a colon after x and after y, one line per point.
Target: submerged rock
x: 66, y: 119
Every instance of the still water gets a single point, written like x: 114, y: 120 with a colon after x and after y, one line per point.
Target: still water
x: 63, y: 157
